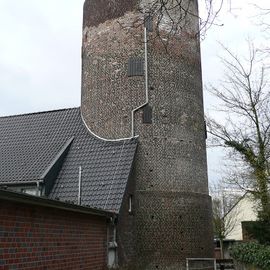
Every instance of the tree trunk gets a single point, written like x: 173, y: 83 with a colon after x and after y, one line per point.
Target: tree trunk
x: 221, y: 249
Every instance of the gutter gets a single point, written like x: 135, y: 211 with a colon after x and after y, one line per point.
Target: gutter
x: 146, y: 84
x: 41, y: 201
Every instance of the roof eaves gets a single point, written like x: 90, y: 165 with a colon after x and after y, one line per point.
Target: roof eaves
x: 19, y: 183
x: 41, y: 201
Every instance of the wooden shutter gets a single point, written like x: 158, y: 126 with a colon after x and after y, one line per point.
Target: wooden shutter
x: 135, y: 67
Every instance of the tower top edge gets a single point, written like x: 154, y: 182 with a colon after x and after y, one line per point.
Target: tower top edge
x: 99, y: 11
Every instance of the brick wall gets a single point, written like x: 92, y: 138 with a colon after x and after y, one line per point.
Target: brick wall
x: 36, y: 237
x: 126, y: 238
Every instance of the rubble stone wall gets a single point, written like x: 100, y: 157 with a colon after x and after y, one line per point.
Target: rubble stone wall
x: 172, y: 215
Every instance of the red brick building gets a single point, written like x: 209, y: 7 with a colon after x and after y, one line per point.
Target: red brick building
x: 37, y: 233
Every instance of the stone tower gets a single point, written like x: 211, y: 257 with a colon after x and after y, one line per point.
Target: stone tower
x: 138, y: 83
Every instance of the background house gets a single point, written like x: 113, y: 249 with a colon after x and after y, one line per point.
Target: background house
x: 243, y: 210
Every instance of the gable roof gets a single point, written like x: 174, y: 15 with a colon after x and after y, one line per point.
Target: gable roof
x: 31, y: 144
x: 245, y: 196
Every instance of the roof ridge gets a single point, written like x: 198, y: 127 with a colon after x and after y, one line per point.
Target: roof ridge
x: 41, y: 112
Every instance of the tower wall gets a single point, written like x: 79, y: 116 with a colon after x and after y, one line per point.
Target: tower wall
x: 172, y: 215
x: 108, y: 94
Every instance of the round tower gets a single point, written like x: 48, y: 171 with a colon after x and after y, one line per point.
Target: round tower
x: 141, y: 76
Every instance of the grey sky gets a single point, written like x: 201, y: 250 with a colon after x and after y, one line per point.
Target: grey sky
x: 240, y: 25
x: 40, y: 55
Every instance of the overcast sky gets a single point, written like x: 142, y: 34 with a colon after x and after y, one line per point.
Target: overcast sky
x: 240, y: 24
x: 40, y: 55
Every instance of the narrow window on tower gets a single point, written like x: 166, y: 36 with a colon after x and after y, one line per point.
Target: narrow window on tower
x: 130, y: 201
x: 147, y: 114
x: 135, y: 67
x: 148, y: 23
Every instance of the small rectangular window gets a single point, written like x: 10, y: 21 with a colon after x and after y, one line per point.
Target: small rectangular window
x: 147, y: 114
x: 148, y: 23
x: 130, y: 201
x: 135, y: 67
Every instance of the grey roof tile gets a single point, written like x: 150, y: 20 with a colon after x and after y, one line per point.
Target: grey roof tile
x: 30, y: 142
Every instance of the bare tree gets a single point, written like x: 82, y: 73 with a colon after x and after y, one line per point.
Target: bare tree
x: 222, y: 203
x: 245, y: 99
x: 178, y: 13
x: 175, y: 19
x: 261, y: 18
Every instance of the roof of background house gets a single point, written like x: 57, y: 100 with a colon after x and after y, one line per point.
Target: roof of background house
x: 31, y: 145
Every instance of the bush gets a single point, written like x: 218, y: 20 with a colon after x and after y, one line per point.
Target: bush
x: 252, y: 253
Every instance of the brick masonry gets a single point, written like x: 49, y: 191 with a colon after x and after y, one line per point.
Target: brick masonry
x: 126, y: 237
x: 172, y: 215
x: 35, y: 237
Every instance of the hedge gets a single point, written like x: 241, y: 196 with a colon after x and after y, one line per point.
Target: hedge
x: 258, y: 230
x: 252, y: 253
